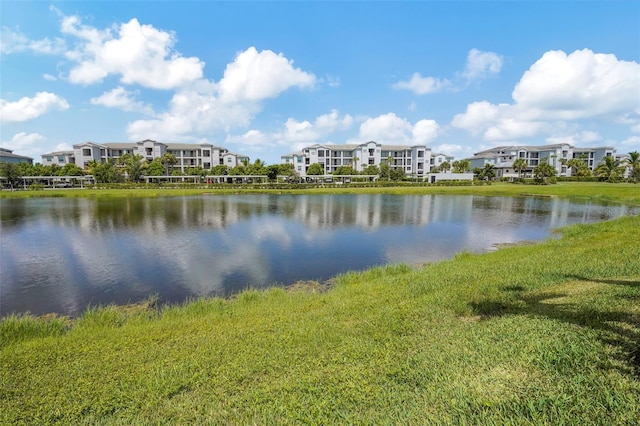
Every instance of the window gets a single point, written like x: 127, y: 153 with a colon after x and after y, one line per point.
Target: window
x: 371, y: 161
x: 86, y: 152
x: 372, y: 152
x: 299, y: 168
x: 299, y: 159
x: 207, y: 165
x: 420, y: 166
x: 321, y: 153
x: 206, y: 153
x: 49, y: 158
x: 61, y: 159
x: 408, y: 161
x: 420, y: 154
x: 149, y: 151
x: 229, y: 159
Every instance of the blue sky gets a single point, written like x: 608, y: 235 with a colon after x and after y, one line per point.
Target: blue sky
x: 266, y: 78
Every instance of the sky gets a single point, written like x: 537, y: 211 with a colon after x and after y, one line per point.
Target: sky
x: 265, y: 79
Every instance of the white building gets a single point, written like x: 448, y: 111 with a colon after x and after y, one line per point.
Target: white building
x: 58, y: 157
x: 203, y: 155
x: 413, y: 160
x: 503, y: 157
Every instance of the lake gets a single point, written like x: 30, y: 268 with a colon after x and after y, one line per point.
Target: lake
x: 63, y: 254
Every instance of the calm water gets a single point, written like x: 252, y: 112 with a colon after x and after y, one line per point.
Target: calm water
x: 62, y: 254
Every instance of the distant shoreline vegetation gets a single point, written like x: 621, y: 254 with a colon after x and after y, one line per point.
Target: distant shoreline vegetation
x: 627, y: 193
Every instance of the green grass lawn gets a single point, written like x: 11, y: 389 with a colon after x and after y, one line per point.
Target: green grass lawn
x: 534, y: 334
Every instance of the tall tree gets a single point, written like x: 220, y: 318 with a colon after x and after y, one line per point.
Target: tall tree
x: 633, y: 163
x: 315, y: 169
x: 609, y: 170
x: 134, y: 165
x: 168, y: 160
x: 543, y: 171
x: 461, y: 166
x: 488, y: 171
x: 445, y: 166
x: 11, y: 172
x: 520, y: 165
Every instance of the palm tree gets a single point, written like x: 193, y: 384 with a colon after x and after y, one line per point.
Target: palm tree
x: 609, y: 170
x: 543, y: 171
x: 633, y: 163
x: 355, y: 163
x: 445, y: 167
x: 520, y: 165
x: 168, y: 160
x: 489, y: 171
x: 461, y: 166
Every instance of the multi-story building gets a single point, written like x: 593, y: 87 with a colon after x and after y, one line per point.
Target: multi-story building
x: 7, y: 156
x: 413, y: 160
x: 438, y: 159
x: 203, y: 155
x: 58, y: 157
x: 503, y: 158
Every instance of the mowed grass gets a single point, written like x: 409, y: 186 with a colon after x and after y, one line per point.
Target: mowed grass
x: 599, y: 191
x: 537, y: 334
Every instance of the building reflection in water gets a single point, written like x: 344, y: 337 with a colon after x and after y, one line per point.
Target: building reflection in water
x: 61, y: 254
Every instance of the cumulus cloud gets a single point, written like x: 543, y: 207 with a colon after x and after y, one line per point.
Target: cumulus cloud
x: 394, y: 130
x: 479, y: 64
x: 26, y: 108
x: 14, y: 42
x: 422, y: 85
x: 138, y: 54
x: 123, y: 99
x: 203, y: 106
x: 632, y: 143
x: 255, y: 76
x: 24, y: 143
x: 556, y: 89
x: 579, y: 138
x: 582, y: 84
x: 298, y: 133
x: 63, y: 147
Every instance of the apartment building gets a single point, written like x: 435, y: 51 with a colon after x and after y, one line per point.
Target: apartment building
x: 59, y: 158
x: 7, y: 156
x: 503, y: 157
x: 188, y: 155
x: 413, y: 160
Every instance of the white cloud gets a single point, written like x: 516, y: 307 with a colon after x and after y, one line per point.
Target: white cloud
x: 49, y: 77
x: 480, y: 64
x: 255, y: 76
x: 425, y: 131
x: 582, y: 84
x: 632, y: 143
x: 582, y: 138
x: 204, y: 107
x: 254, y: 139
x: 393, y: 130
x: 63, y: 147
x: 14, y: 42
x: 556, y: 89
x: 297, y: 133
x: 122, y: 99
x: 25, y: 143
x: 139, y: 54
x: 422, y: 85
x: 26, y: 108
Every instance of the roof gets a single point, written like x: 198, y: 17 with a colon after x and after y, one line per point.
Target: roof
x: 58, y: 153
x: 7, y: 153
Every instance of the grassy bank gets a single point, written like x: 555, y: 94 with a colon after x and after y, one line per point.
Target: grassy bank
x: 538, y: 334
x: 624, y: 192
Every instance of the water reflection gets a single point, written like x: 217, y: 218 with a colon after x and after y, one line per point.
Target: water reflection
x: 61, y: 254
